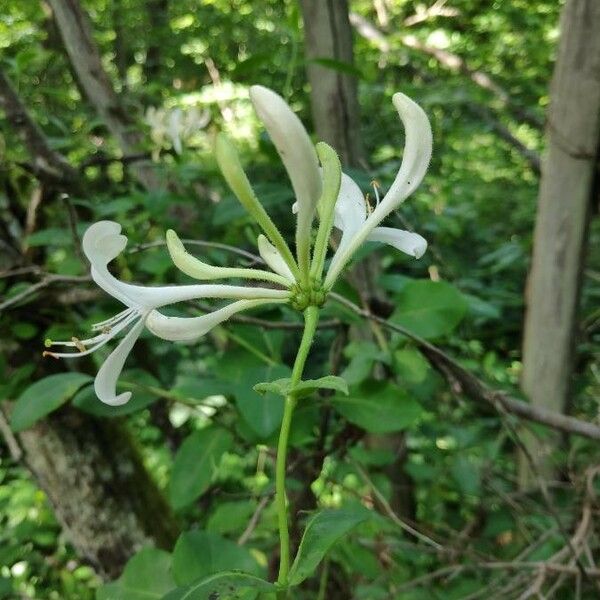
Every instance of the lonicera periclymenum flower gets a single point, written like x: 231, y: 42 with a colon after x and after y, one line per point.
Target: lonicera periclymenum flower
x: 320, y: 189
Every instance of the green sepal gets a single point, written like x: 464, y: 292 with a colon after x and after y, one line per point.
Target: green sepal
x: 233, y: 172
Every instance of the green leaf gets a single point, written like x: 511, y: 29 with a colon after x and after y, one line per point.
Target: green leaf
x: 45, y: 396
x: 196, y: 463
x: 467, y: 474
x: 263, y: 413
x: 379, y: 407
x: 147, y: 576
x: 109, y: 591
x: 51, y: 236
x: 321, y: 533
x: 411, y: 366
x: 429, y: 309
x: 135, y: 381
x: 222, y: 586
x: 362, y: 357
x: 6, y: 588
x: 230, y: 517
x: 194, y: 390
x: 199, y: 554
x: 339, y: 66
x: 240, y: 370
x: 283, y: 386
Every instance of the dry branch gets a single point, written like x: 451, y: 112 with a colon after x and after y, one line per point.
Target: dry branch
x: 451, y: 62
x: 476, y: 389
x: 84, y: 55
x: 48, y: 164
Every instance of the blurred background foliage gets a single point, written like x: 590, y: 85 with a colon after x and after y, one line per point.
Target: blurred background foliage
x: 476, y: 207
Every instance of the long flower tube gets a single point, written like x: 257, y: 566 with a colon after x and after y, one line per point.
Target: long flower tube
x: 102, y: 243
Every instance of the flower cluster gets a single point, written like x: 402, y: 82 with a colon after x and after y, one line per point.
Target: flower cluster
x: 299, y: 279
x: 174, y: 126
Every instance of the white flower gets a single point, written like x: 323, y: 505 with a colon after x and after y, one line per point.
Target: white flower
x: 299, y: 158
x: 176, y: 125
x: 102, y: 243
x: 351, y: 213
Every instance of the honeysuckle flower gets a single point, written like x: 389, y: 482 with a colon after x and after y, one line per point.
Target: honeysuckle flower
x: 102, y: 243
x: 319, y: 189
x: 176, y: 125
x: 351, y: 211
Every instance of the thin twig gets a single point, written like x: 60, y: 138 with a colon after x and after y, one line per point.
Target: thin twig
x: 476, y: 389
x: 254, y: 520
x: 390, y: 511
x: 44, y: 283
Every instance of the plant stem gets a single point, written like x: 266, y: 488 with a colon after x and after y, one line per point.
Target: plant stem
x: 311, y: 318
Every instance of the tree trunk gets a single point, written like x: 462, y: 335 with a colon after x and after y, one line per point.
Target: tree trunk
x: 47, y: 164
x: 566, y: 191
x: 101, y: 493
x: 334, y: 101
x: 76, y: 32
x: 90, y: 469
x: 328, y: 36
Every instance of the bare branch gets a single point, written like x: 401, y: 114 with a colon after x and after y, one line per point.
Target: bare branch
x: 76, y: 32
x: 48, y: 164
x: 450, y: 61
x: 476, y: 389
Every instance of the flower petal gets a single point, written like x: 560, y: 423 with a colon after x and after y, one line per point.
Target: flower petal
x: 406, y: 241
x: 273, y: 258
x: 188, y: 329
x: 105, y: 383
x: 101, y: 241
x: 300, y: 160
x: 94, y: 249
x: 415, y: 160
x: 293, y: 145
x: 350, y: 208
x: 418, y: 146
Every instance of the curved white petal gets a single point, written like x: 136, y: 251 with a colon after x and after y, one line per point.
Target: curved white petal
x: 300, y: 160
x: 415, y: 160
x: 350, y: 216
x: 418, y: 146
x: 96, y: 253
x: 293, y: 145
x: 105, y: 384
x: 188, y: 329
x: 273, y: 258
x: 103, y: 238
x: 350, y: 208
x: 406, y: 241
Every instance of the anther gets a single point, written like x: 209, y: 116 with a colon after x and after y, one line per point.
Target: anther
x: 78, y: 344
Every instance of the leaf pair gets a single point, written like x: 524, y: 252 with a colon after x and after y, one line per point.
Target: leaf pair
x: 284, y: 386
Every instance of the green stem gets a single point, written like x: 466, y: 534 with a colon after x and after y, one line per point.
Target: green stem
x: 311, y: 318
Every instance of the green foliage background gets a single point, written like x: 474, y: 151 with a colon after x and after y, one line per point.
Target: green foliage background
x: 476, y: 208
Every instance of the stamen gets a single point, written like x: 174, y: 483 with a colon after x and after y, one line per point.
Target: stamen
x: 112, y: 320
x: 78, y: 344
x: 97, y: 341
x: 368, y: 203
x: 376, y: 187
